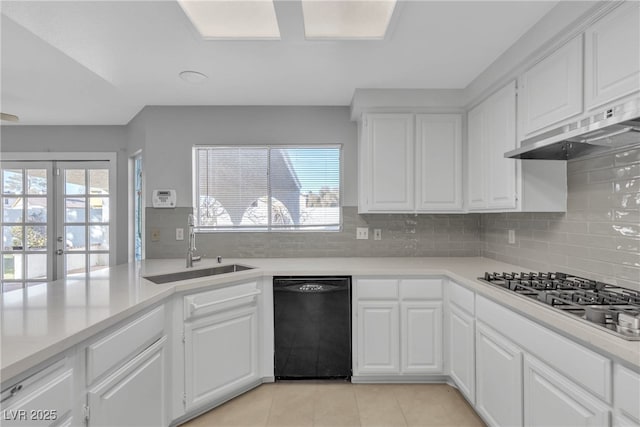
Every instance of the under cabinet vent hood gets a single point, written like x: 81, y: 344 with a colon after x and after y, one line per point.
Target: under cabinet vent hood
x: 614, y: 127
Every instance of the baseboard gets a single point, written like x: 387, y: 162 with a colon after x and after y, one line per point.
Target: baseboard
x: 394, y: 379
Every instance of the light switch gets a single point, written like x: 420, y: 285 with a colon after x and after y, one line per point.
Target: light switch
x: 512, y: 237
x: 377, y: 234
x: 155, y: 234
x: 179, y: 233
x: 362, y: 233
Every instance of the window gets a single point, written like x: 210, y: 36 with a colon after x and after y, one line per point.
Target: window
x: 267, y: 188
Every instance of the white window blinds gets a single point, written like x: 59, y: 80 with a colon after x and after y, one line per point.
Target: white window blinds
x: 267, y: 188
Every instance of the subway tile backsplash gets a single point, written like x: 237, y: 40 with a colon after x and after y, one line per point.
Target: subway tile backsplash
x: 598, y: 236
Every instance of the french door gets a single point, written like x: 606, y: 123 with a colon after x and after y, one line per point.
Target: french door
x: 56, y: 220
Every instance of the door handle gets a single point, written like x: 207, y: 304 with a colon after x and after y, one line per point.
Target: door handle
x: 59, y: 251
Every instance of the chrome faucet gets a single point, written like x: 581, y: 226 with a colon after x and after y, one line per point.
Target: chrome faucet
x: 192, y: 242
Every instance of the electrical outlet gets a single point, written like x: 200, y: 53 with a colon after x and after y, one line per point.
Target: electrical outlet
x: 179, y: 233
x: 362, y: 233
x: 377, y: 234
x: 512, y: 237
x: 155, y: 234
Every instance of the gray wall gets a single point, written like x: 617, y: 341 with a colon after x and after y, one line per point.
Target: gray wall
x: 598, y: 236
x: 79, y: 139
x: 402, y: 235
x: 170, y: 132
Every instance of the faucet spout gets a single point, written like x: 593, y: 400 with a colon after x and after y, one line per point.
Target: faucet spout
x: 192, y: 242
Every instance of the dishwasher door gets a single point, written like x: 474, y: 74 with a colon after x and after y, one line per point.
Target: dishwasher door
x: 312, y: 322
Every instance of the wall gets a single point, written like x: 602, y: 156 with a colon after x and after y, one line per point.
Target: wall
x: 79, y: 139
x: 402, y: 235
x: 598, y: 236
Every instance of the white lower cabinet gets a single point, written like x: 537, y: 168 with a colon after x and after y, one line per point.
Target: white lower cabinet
x: 398, y: 326
x: 550, y: 399
x: 498, y: 378
x: 378, y: 338
x: 133, y: 395
x: 42, y: 399
x: 462, y: 351
x: 221, y: 352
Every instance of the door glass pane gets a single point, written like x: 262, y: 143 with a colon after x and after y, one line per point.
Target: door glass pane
x: 75, y: 239
x: 12, y: 267
x: 12, y: 238
x: 36, y: 237
x: 12, y: 209
x: 99, y: 237
x: 74, y: 264
x: 37, y: 209
x: 74, y: 208
x: 99, y: 209
x: 74, y: 181
x: 98, y: 262
x: 12, y: 181
x: 98, y: 181
x: 36, y: 181
x: 37, y: 266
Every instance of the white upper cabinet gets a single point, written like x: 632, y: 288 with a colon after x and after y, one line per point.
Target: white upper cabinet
x: 551, y: 91
x: 387, y: 160
x: 410, y: 163
x: 612, y: 56
x: 439, y: 162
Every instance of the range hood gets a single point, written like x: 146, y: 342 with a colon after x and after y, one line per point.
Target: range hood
x: 614, y: 127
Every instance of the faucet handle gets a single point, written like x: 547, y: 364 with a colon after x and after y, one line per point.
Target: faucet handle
x: 219, y: 260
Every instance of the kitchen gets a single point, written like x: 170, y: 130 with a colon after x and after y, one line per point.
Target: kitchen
x: 445, y: 217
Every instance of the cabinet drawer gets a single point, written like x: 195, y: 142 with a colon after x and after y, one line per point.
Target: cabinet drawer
x: 377, y: 288
x: 581, y: 365
x: 626, y: 392
x: 462, y: 297
x: 41, y: 399
x: 421, y: 288
x: 220, y: 299
x: 120, y: 345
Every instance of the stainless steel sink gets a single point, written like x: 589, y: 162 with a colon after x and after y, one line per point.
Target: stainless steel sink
x: 194, y: 274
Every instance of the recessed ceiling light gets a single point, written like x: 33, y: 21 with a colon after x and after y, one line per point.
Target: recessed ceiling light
x: 193, y: 77
x: 233, y: 19
x: 356, y: 19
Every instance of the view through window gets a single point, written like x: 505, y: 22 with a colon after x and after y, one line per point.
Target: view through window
x: 267, y: 188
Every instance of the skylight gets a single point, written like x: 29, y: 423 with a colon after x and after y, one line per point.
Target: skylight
x: 233, y: 19
x: 353, y: 19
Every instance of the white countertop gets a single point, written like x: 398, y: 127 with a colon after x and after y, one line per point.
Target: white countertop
x: 44, y: 320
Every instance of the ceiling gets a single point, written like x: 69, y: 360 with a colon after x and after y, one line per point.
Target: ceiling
x: 101, y: 62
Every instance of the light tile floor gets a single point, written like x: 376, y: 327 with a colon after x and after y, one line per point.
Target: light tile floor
x: 333, y: 404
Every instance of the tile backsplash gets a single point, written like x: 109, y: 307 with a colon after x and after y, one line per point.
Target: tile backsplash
x: 598, y: 236
x: 402, y: 235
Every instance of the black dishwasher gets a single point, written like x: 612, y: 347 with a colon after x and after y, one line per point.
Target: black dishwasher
x: 312, y: 322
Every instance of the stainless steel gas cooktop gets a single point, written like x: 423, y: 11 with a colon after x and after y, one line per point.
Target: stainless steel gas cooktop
x: 609, y: 307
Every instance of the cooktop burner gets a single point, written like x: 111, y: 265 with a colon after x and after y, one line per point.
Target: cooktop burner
x: 613, y: 308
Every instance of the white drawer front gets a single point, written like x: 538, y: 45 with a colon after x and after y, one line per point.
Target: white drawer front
x: 626, y: 393
x: 583, y: 366
x: 421, y: 289
x: 220, y: 299
x: 462, y: 297
x: 377, y: 288
x: 115, y: 348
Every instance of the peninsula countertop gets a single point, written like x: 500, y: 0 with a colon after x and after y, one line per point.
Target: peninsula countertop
x: 43, y: 320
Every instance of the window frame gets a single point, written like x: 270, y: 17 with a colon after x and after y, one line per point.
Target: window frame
x: 269, y: 228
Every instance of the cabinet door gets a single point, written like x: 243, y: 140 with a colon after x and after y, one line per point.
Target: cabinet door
x: 462, y: 351
x: 551, y: 91
x: 221, y: 355
x: 498, y: 378
x: 550, y: 399
x: 501, y: 137
x: 421, y: 337
x: 439, y: 162
x: 378, y: 337
x: 612, y: 56
x: 135, y: 394
x: 390, y: 179
x: 476, y: 161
